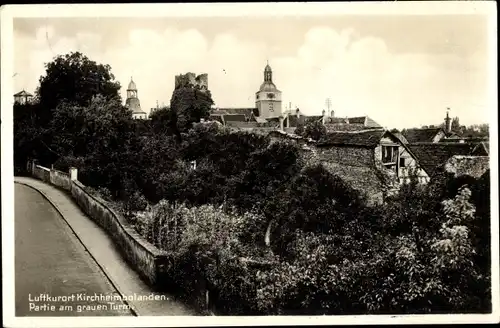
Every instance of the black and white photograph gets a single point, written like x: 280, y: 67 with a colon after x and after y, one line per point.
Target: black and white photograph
x: 249, y: 163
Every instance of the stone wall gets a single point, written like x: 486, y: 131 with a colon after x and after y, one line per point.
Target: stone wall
x: 60, y: 179
x: 41, y: 173
x: 146, y: 259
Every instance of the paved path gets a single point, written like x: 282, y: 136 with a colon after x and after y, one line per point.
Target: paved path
x: 59, y: 250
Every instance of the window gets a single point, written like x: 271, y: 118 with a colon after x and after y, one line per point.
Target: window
x: 389, y: 154
x: 271, y: 107
x: 402, y: 162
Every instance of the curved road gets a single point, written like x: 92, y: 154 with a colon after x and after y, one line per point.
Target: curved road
x: 51, y: 262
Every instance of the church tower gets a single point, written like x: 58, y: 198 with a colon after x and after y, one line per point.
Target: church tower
x: 268, y: 98
x: 133, y: 102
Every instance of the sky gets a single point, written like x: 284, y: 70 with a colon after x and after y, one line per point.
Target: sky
x: 402, y: 71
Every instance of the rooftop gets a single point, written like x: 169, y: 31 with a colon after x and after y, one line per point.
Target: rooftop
x: 131, y: 85
x: 23, y: 93
x: 421, y: 135
x: 365, y: 121
x: 364, y: 138
x: 433, y: 155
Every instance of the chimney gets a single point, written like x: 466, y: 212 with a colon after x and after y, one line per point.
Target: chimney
x: 288, y: 120
x: 297, y: 111
x: 324, y: 116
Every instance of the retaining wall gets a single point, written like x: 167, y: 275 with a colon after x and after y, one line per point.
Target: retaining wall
x: 60, y: 179
x: 41, y: 173
x: 149, y: 261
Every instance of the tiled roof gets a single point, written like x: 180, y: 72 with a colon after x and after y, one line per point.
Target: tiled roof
x: 482, y: 149
x: 235, y: 118
x: 474, y: 166
x: 359, y: 120
x: 337, y: 120
x: 244, y: 111
x: 365, y: 138
x: 332, y: 127
x: 432, y: 155
x: 364, y: 121
x: 23, y: 94
x: 217, y: 118
x: 458, y: 138
x: 420, y: 135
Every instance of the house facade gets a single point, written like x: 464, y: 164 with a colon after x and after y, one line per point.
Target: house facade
x: 372, y: 161
x: 23, y: 97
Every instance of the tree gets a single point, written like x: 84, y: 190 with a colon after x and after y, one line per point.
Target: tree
x: 100, y: 138
x: 299, y: 130
x: 81, y: 130
x: 164, y: 121
x: 26, y: 135
x: 74, y: 78
x: 314, y: 130
x: 455, y: 125
x: 189, y: 104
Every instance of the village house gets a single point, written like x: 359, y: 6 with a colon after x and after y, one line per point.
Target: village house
x: 432, y: 156
x: 433, y: 134
x: 23, y: 97
x: 372, y: 161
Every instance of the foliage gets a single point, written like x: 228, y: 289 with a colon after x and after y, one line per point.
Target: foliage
x: 314, y: 130
x: 189, y: 104
x: 299, y: 130
x: 75, y: 78
x: 26, y: 135
x: 164, y: 121
x: 205, y: 244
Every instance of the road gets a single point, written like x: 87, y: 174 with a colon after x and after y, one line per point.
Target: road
x: 51, y: 262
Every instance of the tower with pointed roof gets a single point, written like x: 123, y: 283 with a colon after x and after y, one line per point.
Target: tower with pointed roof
x: 133, y: 102
x: 268, y: 98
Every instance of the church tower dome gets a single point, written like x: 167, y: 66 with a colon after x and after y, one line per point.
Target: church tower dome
x: 131, y: 85
x: 268, y: 84
x: 268, y: 98
x: 132, y: 102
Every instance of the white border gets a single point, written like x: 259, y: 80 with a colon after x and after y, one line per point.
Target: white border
x: 229, y: 10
